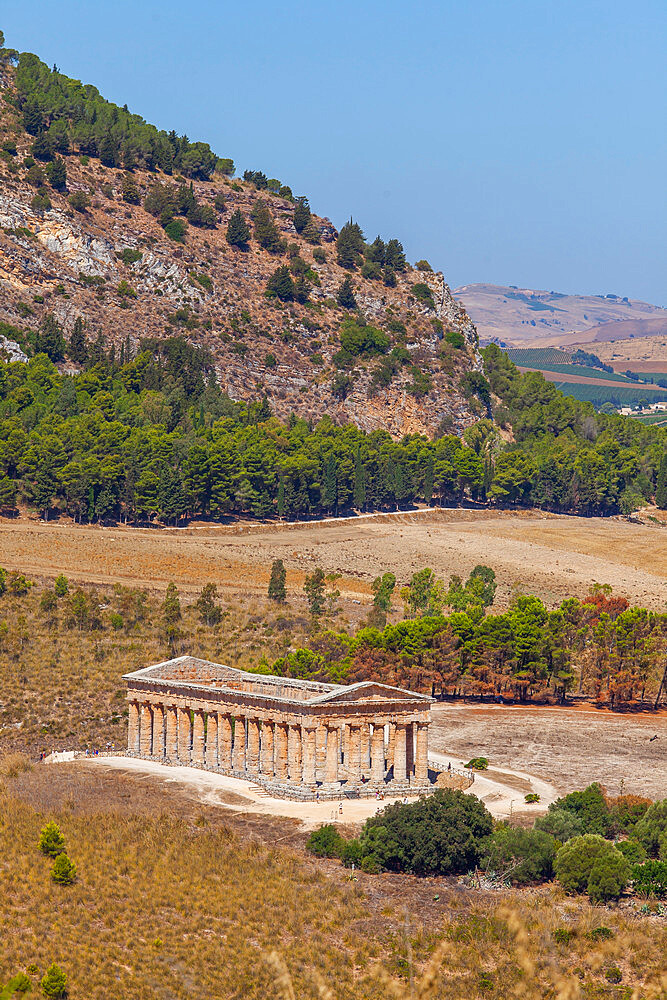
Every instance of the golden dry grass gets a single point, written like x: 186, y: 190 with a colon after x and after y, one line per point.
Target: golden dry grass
x: 166, y: 907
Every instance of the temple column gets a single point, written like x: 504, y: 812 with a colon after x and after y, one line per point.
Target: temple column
x: 354, y: 768
x: 198, y: 737
x: 294, y: 760
x: 146, y: 731
x: 281, y: 746
x: 410, y: 749
x: 172, y: 732
x: 158, y: 730
x: 321, y: 751
x: 184, y: 735
x: 252, y: 757
x: 377, y: 754
x: 266, y: 749
x: 224, y: 740
x: 399, y: 754
x: 133, y: 727
x: 391, y: 745
x: 345, y: 739
x: 239, y: 744
x: 366, y: 750
x: 212, y: 739
x: 421, y: 760
x: 308, y: 740
x: 331, y: 770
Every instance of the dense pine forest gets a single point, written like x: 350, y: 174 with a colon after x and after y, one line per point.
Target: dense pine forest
x: 154, y: 437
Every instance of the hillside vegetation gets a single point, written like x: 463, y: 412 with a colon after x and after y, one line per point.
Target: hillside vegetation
x: 120, y: 234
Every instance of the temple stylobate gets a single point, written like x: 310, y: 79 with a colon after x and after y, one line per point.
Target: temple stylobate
x: 295, y: 738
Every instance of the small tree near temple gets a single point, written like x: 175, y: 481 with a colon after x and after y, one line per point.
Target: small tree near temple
x: 61, y: 585
x: 54, y: 982
x: 51, y: 840
x: 314, y: 589
x: 277, y: 590
x: 171, y: 614
x: 210, y: 612
x: 63, y: 871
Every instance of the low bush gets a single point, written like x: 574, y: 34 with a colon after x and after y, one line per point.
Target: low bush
x: 531, y: 797
x: 51, y: 840
x: 592, y: 864
x: 524, y: 855
x: 650, y: 879
x: 325, y: 842
x: 560, y: 823
x: 632, y: 851
x: 478, y: 763
x: 54, y: 982
x: 63, y: 871
x: 651, y: 830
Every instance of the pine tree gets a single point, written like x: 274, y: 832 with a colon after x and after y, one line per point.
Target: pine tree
x: 314, y: 590
x: 301, y: 216
x: 345, y: 294
x: 51, y: 840
x: 171, y: 614
x: 238, y: 232
x: 57, y: 174
x: 359, y: 481
x: 210, y: 613
x: 661, y: 485
x: 281, y: 498
x: 50, y: 340
x: 266, y: 233
x: 428, y: 480
x: 277, y: 591
x: 280, y: 285
x: 63, y: 871
x: 54, y: 982
x: 349, y: 245
x: 394, y: 256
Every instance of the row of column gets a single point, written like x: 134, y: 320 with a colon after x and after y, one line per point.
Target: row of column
x: 275, y: 749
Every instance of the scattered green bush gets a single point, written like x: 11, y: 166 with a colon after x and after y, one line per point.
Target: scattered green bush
x: 477, y: 764
x: 526, y: 855
x: 130, y: 256
x: 51, y: 840
x: 650, y: 878
x: 560, y: 823
x: 456, y: 339
x: 632, y: 851
x: 325, y: 842
x: 54, y: 982
x: 423, y: 294
x: 591, y: 864
x: 79, y: 201
x: 651, y: 830
x: 531, y: 797
x: 63, y: 871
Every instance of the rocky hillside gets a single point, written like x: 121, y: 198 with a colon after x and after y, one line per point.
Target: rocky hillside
x: 88, y: 232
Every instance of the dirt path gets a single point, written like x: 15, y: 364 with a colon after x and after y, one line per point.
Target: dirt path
x: 552, y: 556
x: 501, y: 792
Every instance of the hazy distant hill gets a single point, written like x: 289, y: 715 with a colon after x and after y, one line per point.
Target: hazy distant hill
x: 523, y: 316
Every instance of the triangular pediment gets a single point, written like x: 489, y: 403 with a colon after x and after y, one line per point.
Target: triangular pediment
x: 370, y: 691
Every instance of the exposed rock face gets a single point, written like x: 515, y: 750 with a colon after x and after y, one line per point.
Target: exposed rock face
x: 70, y: 263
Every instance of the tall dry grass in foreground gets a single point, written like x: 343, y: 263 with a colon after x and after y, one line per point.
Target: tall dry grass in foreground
x: 167, y: 908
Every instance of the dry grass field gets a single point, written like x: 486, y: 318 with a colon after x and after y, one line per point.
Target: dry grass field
x: 206, y: 906
x: 550, y: 555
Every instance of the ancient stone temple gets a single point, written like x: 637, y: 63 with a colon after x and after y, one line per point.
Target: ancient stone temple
x: 295, y: 738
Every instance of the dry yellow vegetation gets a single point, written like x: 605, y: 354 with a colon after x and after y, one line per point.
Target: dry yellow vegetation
x: 189, y: 907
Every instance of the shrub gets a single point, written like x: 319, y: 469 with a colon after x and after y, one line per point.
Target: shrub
x: 456, y: 339
x: 423, y: 294
x: 280, y: 285
x: 650, y: 879
x: 63, y: 871
x: 54, y: 982
x: 238, y: 231
x: 20, y: 983
x: 613, y: 974
x: 116, y: 621
x: 51, y: 840
x: 130, y: 256
x: 270, y: 361
x: 590, y: 806
x: 325, y: 842
x: 351, y: 853
x: 478, y: 763
x: 626, y: 810
x: 591, y: 863
x: 319, y: 255
x: 632, y: 851
x: 560, y: 823
x: 608, y: 878
x: 359, y: 341
x: 651, y: 829
x: 125, y: 290
x: 61, y: 585
x: 601, y: 934
x: 531, y: 797
x: 345, y: 294
x: 441, y: 834
x: 423, y: 265
x: 175, y: 230
x: 79, y: 201
x: 563, y: 935
x: 528, y: 854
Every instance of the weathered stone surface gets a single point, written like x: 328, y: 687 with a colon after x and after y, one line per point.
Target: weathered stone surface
x: 300, y: 737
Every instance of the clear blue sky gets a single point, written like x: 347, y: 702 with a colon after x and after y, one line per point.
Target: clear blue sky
x: 520, y: 142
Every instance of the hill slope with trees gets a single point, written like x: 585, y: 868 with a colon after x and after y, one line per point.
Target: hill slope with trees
x: 117, y: 233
